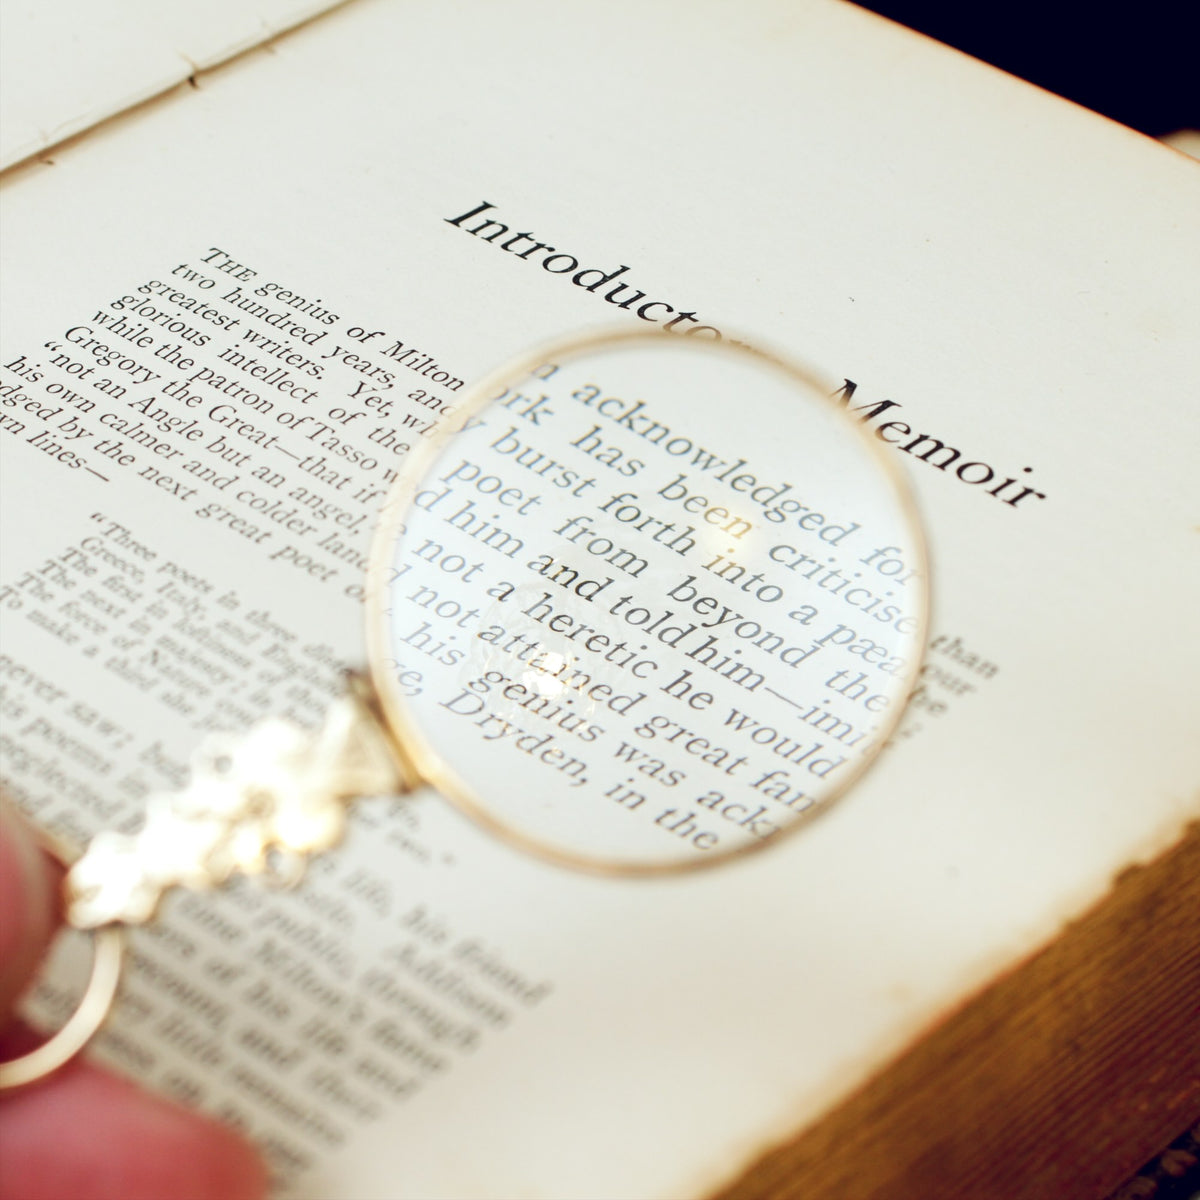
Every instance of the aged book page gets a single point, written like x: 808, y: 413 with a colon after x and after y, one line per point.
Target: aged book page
x: 67, y: 64
x: 230, y: 315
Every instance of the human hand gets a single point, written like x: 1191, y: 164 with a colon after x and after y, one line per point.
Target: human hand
x: 83, y: 1133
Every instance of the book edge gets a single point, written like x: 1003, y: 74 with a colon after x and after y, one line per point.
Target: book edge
x: 1050, y: 986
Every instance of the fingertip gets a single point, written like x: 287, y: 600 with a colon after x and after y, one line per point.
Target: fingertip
x: 27, y: 905
x: 86, y: 1134
x: 83, y: 1132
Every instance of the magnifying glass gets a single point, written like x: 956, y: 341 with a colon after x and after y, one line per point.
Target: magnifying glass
x: 645, y: 604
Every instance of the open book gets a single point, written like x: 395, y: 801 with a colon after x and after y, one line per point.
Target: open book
x: 231, y: 313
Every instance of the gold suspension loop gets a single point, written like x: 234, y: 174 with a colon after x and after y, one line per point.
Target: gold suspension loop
x: 107, y: 953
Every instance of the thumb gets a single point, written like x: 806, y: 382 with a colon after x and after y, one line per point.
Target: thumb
x: 27, y: 906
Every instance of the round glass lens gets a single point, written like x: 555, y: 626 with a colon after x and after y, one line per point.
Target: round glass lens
x: 652, y: 602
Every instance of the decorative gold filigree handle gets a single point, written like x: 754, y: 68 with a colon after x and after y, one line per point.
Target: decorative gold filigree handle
x: 257, y: 804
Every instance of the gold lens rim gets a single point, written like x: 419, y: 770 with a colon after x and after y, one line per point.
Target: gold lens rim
x: 425, y: 767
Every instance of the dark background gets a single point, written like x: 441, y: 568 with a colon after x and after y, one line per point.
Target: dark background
x: 1135, y: 62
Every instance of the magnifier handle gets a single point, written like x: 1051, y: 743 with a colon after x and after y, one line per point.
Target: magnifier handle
x: 258, y: 803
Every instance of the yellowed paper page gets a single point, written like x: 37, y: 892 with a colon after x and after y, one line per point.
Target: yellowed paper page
x: 1008, y: 283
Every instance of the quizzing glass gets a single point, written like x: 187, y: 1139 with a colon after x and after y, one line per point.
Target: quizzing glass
x: 644, y: 604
